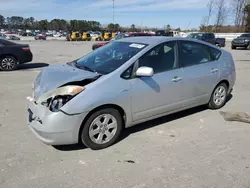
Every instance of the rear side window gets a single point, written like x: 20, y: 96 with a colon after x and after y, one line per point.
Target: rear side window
x: 215, y: 54
x: 211, y: 36
x: 192, y: 53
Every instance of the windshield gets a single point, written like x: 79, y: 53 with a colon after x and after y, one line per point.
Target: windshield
x: 245, y: 35
x: 108, y: 58
x: 194, y: 36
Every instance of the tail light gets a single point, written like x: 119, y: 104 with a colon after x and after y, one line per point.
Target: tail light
x: 26, y: 49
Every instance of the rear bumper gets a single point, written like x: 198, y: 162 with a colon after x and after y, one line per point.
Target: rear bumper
x: 25, y: 57
x: 53, y: 128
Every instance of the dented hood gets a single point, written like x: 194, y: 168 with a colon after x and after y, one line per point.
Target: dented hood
x: 55, y: 76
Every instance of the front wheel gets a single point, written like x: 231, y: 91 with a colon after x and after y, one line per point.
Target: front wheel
x: 219, y: 96
x: 233, y: 47
x: 102, y: 129
x: 8, y: 63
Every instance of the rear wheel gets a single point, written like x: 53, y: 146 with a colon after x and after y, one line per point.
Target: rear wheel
x: 8, y: 63
x: 219, y: 96
x: 218, y: 45
x: 102, y: 129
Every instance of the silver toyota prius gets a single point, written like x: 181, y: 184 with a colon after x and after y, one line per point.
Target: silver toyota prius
x: 92, y: 99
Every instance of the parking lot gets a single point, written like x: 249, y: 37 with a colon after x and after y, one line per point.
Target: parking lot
x: 194, y: 148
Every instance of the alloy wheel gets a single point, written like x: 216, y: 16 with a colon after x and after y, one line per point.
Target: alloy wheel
x: 8, y: 63
x: 219, y: 95
x: 103, y: 128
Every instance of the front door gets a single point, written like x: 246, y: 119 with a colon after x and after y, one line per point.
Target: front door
x: 151, y: 96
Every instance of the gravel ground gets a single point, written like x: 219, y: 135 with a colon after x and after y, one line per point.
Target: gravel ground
x: 195, y: 148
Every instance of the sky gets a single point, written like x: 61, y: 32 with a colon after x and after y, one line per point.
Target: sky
x: 152, y: 13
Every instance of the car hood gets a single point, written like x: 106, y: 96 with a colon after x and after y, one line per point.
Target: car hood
x: 55, y: 76
x: 241, y: 38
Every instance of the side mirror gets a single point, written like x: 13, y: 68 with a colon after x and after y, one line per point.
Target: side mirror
x: 144, y: 72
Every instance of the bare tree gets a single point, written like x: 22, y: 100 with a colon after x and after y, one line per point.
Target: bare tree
x: 221, y: 13
x: 210, y: 7
x: 238, y: 12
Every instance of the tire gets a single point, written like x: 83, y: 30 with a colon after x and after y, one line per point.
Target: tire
x: 8, y: 63
x: 220, y: 92
x: 91, y: 131
x: 233, y: 47
x: 248, y: 47
x: 218, y: 45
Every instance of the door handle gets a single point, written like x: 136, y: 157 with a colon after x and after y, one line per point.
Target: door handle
x: 214, y: 70
x: 176, y: 79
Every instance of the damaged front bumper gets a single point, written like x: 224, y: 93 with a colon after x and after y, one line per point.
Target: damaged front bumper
x: 53, y: 128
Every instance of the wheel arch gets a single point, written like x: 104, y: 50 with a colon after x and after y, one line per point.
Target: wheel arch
x: 224, y: 81
x: 6, y: 55
x: 114, y: 106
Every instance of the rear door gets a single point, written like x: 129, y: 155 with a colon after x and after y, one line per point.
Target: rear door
x: 201, y: 71
x: 151, y: 96
x: 211, y: 38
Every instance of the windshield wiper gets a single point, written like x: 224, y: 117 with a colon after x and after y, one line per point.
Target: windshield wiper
x: 87, y: 68
x: 84, y: 67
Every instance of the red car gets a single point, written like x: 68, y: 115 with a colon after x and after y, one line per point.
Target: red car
x: 120, y: 36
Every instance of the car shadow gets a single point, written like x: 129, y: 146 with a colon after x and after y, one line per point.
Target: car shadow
x: 29, y: 66
x: 165, y: 119
x: 73, y: 147
x: 146, y: 125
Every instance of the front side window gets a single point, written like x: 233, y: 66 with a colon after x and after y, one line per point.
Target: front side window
x: 161, y: 58
x: 108, y: 58
x: 192, y: 53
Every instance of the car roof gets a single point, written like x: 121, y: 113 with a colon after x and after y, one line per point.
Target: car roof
x: 152, y: 40
x: 203, y: 33
x: 155, y: 40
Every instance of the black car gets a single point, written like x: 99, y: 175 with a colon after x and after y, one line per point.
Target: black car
x: 241, y: 41
x: 13, y: 54
x: 208, y: 37
x: 164, y: 33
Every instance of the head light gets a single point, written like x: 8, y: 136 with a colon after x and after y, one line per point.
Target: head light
x: 59, y: 97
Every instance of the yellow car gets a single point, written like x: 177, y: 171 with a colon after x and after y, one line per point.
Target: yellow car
x: 114, y: 35
x: 107, y: 36
x: 74, y: 36
x: 86, y: 36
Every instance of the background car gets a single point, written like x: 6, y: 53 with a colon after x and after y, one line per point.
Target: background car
x: 40, y: 37
x: 3, y: 36
x: 120, y: 36
x: 13, y: 54
x: 208, y: 37
x: 164, y: 33
x: 93, y: 98
x: 241, y: 41
x: 13, y: 37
